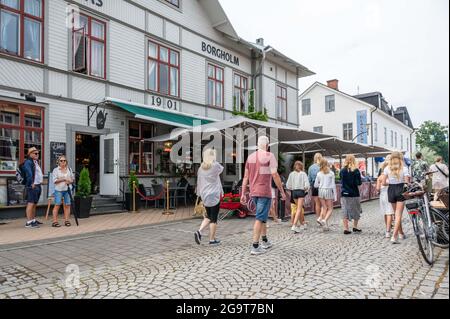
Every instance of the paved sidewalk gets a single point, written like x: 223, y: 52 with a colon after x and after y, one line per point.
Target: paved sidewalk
x: 15, y: 232
x: 162, y: 261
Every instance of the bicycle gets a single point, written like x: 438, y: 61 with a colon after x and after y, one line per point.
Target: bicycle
x: 430, y: 225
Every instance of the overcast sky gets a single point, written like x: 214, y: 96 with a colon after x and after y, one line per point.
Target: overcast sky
x: 397, y: 47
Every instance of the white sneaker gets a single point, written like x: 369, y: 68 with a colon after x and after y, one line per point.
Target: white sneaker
x: 402, y: 237
x: 298, y: 230
x: 257, y: 251
x: 304, y: 227
x: 388, y: 235
x: 293, y: 228
x: 319, y: 221
x: 394, y: 240
x: 266, y: 245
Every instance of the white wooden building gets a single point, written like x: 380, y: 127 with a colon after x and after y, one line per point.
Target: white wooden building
x: 175, y: 58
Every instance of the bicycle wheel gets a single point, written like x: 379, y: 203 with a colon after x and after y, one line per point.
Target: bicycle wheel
x: 440, y: 221
x: 425, y: 244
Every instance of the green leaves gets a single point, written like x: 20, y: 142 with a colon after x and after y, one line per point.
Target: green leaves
x: 133, y: 178
x: 84, y: 184
x: 434, y: 136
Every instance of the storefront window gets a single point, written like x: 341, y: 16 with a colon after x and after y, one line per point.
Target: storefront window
x: 22, y: 28
x: 21, y: 127
x: 140, y: 152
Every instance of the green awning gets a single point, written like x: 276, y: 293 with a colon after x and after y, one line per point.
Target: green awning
x: 161, y: 116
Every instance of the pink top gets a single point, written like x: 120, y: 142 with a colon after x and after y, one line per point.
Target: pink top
x: 260, y: 166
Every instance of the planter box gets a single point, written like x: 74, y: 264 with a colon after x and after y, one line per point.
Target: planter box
x: 129, y: 202
x: 83, y: 206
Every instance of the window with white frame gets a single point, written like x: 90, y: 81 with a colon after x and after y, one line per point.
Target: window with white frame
x: 175, y: 3
x: 318, y: 129
x: 392, y: 138
x: 163, y: 69
x: 281, y: 103
x: 375, y: 131
x: 240, y: 91
x: 22, y: 28
x: 330, y: 103
x: 306, y: 107
x: 348, y: 132
x: 215, y: 86
x: 89, y: 46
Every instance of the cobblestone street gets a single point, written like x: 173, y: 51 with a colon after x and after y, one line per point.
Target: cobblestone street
x: 162, y: 261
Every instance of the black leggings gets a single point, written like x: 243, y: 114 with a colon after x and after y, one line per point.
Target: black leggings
x: 213, y: 213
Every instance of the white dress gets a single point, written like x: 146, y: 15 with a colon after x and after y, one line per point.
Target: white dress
x: 385, y: 206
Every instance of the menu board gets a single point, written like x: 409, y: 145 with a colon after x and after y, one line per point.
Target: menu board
x: 15, y: 192
x: 56, y: 150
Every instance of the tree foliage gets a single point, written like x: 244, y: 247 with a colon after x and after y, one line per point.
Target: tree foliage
x: 84, y: 184
x: 434, y: 136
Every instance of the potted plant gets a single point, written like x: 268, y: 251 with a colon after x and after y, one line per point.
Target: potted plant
x: 129, y: 194
x: 83, y: 198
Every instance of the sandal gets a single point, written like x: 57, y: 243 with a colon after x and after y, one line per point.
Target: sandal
x: 56, y: 225
x: 67, y: 224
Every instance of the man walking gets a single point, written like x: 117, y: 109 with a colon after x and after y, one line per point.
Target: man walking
x: 33, y: 178
x: 260, y: 168
x: 419, y: 168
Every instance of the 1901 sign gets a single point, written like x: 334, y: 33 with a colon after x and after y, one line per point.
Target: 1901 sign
x: 158, y: 101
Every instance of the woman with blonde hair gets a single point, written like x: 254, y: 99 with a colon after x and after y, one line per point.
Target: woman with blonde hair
x: 350, y: 198
x: 385, y: 206
x: 62, y: 178
x: 325, y: 182
x: 312, y: 174
x: 209, y: 188
x: 298, y: 184
x: 397, y: 174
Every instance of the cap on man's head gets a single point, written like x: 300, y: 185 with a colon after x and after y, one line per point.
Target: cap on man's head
x: 32, y: 150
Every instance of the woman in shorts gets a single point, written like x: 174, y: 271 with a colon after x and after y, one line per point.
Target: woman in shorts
x: 298, y: 184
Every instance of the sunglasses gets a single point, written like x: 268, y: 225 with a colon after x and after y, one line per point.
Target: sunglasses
x: 35, y: 153
x: 63, y: 161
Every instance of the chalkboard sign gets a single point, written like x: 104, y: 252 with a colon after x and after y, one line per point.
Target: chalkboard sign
x: 15, y: 192
x: 56, y: 150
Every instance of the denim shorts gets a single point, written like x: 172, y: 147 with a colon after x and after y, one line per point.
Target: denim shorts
x: 262, y: 208
x: 60, y: 195
x: 33, y: 195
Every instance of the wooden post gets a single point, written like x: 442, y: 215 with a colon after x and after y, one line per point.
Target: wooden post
x: 134, y: 197
x: 167, y: 211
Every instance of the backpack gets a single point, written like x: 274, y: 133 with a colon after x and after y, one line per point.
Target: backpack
x: 21, y: 174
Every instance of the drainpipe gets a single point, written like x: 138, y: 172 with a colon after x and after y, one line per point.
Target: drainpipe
x: 371, y: 136
x: 259, y: 73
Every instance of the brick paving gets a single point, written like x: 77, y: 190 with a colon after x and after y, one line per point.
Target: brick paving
x: 162, y: 261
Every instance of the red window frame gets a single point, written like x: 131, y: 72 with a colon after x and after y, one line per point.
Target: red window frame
x: 22, y: 15
x: 139, y: 139
x: 216, y: 81
x: 282, y: 97
x: 22, y: 129
x: 90, y: 38
x: 242, y: 89
x: 169, y: 64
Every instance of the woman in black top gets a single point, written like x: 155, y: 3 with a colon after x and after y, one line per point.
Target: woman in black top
x: 350, y: 197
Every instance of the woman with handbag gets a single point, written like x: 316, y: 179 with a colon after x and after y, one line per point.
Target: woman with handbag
x: 209, y: 188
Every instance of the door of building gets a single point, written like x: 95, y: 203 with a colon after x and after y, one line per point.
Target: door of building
x: 109, y: 165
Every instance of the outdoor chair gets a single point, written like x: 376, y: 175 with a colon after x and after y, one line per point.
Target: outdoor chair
x: 181, y: 192
x: 155, y: 190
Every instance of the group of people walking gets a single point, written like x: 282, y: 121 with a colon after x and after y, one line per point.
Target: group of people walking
x: 261, y: 170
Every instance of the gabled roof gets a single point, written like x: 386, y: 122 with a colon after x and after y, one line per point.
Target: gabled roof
x: 219, y: 18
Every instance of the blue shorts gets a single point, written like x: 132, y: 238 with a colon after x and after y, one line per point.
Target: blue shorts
x: 262, y: 208
x: 33, y: 195
x: 60, y: 195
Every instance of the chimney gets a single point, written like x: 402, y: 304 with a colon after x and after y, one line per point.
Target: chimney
x: 260, y: 42
x: 333, y: 84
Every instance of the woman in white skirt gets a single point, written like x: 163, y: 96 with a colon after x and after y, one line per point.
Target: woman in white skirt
x: 385, y: 206
x: 326, y: 183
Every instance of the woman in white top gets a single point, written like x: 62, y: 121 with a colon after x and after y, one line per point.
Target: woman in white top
x: 209, y: 188
x: 440, y: 175
x: 396, y: 175
x: 298, y: 184
x: 62, y: 178
x: 326, y: 183
x: 385, y: 206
